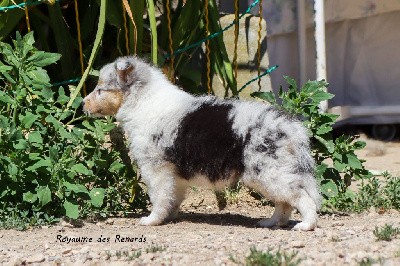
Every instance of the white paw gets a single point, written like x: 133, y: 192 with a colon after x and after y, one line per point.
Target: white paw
x: 304, y: 227
x: 149, y: 221
x: 267, y: 222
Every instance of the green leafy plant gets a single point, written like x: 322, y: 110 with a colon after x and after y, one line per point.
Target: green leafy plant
x: 52, y: 162
x: 386, y: 233
x: 155, y: 248
x: 229, y: 195
x: 336, y: 161
x: 277, y: 258
x: 56, y: 29
x: 368, y: 261
x: 380, y: 193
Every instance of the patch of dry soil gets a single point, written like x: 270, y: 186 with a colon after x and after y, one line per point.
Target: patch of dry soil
x: 203, y: 235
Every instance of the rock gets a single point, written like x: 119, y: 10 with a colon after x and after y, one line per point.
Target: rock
x: 337, y: 223
x: 66, y: 251
x: 372, y: 211
x: 147, y: 258
x: 52, y: 258
x: 297, y: 244
x: 18, y: 261
x: 37, y: 258
x: 359, y: 255
x: 67, y: 225
x: 109, y: 221
x: 85, y: 249
x: 319, y: 232
x: 333, y: 236
x: 3, y: 259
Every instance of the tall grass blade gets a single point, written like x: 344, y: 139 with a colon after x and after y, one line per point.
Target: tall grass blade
x: 153, y: 29
x: 96, y: 46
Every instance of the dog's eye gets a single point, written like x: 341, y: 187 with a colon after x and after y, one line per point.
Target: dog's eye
x: 99, y: 91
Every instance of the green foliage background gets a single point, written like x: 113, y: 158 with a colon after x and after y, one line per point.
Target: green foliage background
x: 55, y: 29
x: 337, y: 165
x: 53, y: 163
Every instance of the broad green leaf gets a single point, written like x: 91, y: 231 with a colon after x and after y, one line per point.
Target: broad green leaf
x: 116, y: 166
x: 97, y: 196
x: 12, y: 169
x: 320, y: 96
x: 34, y: 156
x: 5, y: 98
x: 38, y: 164
x: 329, y: 188
x: 320, y: 170
x: 77, y: 102
x: 71, y: 210
x: 4, y: 68
x: 47, y: 94
x: 291, y: 82
x: 81, y: 169
x: 28, y: 119
x: 329, y: 119
x: 21, y: 144
x: 353, y: 161
x: 35, y: 137
x: 39, y: 78
x: 44, y: 195
x: 53, y: 152
x: 62, y: 98
x: 340, y: 166
x: 266, y: 96
x: 313, y: 86
x: 330, y: 146
x: 52, y: 120
x: 29, y: 39
x: 29, y: 197
x: 359, y: 145
x: 324, y: 129
x: 64, y: 133
x: 77, y: 188
x: 88, y: 125
x: 42, y: 59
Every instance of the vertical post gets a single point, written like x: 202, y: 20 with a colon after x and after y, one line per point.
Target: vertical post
x: 301, y: 40
x: 320, y: 45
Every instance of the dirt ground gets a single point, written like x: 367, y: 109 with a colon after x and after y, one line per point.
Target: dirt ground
x: 203, y: 235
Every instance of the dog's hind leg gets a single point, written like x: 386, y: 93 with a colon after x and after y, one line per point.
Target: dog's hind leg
x: 180, y: 193
x: 280, y: 217
x: 308, y: 210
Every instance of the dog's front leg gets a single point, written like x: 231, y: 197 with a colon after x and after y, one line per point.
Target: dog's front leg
x: 166, y: 194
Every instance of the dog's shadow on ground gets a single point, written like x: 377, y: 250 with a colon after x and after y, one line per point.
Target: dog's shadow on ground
x: 226, y: 219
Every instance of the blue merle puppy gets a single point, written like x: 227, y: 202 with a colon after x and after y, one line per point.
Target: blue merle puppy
x: 179, y: 141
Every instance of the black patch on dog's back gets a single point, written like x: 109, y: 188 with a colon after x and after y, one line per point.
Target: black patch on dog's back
x: 207, y: 145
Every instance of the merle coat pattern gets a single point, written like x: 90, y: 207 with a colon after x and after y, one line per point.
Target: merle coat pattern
x: 179, y: 140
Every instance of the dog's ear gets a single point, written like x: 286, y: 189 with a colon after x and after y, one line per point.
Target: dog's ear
x: 125, y: 75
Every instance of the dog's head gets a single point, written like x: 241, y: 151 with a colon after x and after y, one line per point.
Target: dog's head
x: 115, y: 82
